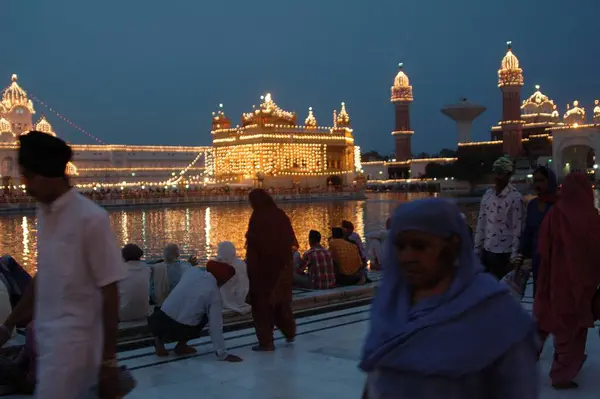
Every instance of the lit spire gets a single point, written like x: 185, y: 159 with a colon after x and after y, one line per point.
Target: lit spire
x: 597, y: 111
x: 401, y: 90
x: 334, y: 118
x: 44, y: 126
x: 220, y: 120
x: 5, y: 126
x: 343, y: 119
x: 15, y: 96
x: 575, y: 115
x: 510, y: 73
x: 311, y: 121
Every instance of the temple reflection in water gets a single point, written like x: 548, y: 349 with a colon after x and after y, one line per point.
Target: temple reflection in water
x: 198, y: 230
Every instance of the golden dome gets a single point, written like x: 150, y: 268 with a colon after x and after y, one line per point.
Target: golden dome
x: 15, y: 96
x: 71, y: 170
x: 269, y: 112
x: 575, y: 115
x: 539, y: 107
x: 311, y: 121
x: 597, y: 111
x: 5, y: 126
x: 220, y: 120
x: 510, y: 74
x: 401, y: 90
x: 510, y: 61
x: 342, y: 119
x: 44, y: 126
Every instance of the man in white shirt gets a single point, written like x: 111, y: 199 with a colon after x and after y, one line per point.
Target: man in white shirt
x: 500, y: 221
x: 134, y: 290
x: 74, y: 293
x: 193, y: 303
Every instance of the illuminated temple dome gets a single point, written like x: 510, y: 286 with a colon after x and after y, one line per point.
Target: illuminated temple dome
x: 342, y: 119
x: 220, y: 120
x: 539, y: 108
x: 401, y: 90
x: 510, y: 73
x: 269, y: 113
x: 5, y: 126
x: 597, y: 111
x: 71, y: 170
x: 15, y: 96
x: 311, y: 121
x: 575, y: 115
x: 44, y: 126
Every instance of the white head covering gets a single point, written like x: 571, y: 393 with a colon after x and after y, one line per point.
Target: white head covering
x: 234, y: 292
x: 226, y: 253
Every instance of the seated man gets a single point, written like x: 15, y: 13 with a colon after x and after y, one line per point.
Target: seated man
x: 194, y: 302
x: 353, y: 237
x: 135, y: 289
x: 346, y: 258
x: 14, y: 277
x: 166, y: 274
x: 319, y: 264
x: 375, y: 242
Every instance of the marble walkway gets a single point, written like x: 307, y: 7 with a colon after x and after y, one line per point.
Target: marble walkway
x: 321, y: 364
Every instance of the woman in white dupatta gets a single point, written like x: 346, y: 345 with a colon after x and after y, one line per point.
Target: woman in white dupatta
x: 234, y: 292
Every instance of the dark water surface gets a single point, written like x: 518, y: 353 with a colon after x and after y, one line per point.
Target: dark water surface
x: 198, y: 229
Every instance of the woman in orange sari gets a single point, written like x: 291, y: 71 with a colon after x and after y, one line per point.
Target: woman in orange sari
x: 568, y: 277
x: 269, y: 243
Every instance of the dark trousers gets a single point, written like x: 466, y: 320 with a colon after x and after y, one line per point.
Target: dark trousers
x: 267, y: 315
x: 344, y: 279
x: 496, y: 264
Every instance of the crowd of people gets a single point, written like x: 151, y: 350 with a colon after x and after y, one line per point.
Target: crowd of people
x: 444, y: 320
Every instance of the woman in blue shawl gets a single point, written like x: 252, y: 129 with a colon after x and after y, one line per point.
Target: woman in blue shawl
x: 440, y: 326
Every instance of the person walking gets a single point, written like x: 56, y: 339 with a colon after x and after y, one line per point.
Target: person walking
x: 440, y: 326
x: 269, y: 241
x: 546, y: 187
x: 75, y: 291
x: 500, y: 221
x: 568, y: 276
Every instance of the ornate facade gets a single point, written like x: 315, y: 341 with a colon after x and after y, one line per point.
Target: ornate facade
x: 97, y: 166
x: 270, y: 149
x: 527, y: 129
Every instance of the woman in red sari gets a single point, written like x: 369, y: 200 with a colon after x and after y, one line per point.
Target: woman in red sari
x: 269, y: 242
x: 568, y: 276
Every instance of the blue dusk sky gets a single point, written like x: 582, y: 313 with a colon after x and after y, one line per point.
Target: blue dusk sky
x: 151, y: 72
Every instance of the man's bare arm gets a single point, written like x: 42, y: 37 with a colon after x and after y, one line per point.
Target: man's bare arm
x: 23, y: 312
x: 110, y: 319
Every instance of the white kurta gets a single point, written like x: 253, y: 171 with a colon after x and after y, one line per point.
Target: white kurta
x: 77, y: 256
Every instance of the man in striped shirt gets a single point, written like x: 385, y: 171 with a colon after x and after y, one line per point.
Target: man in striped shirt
x: 319, y: 264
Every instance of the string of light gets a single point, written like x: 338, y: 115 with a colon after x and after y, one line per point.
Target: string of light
x: 67, y: 120
x: 174, y: 180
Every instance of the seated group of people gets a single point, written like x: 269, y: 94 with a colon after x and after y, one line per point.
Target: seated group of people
x: 343, y: 263
x: 186, y: 297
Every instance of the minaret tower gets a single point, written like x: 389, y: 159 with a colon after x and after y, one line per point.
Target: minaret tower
x: 510, y: 81
x: 402, y: 96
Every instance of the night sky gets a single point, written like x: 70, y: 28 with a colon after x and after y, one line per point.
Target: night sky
x: 151, y: 72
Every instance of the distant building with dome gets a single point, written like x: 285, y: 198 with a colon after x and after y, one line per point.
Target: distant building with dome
x: 534, y: 129
x: 269, y: 148
x: 96, y: 166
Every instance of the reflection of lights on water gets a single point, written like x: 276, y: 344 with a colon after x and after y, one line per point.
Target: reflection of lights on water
x: 144, y: 229
x: 25, y: 227
x: 360, y: 220
x: 124, y: 231
x: 207, y: 232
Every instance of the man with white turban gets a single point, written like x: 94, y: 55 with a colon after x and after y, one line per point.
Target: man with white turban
x: 500, y: 221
